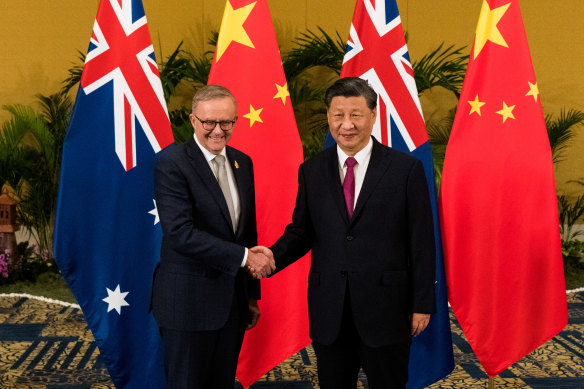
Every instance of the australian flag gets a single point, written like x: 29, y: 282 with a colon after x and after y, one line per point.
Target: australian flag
x: 377, y: 52
x: 107, y: 235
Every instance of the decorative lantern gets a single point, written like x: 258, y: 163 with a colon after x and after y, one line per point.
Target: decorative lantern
x: 8, y: 224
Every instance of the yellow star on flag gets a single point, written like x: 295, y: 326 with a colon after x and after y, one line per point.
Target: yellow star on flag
x: 253, y: 115
x: 476, y: 105
x: 487, y: 27
x: 232, y: 28
x: 506, y: 112
x: 533, y: 91
x: 282, y: 92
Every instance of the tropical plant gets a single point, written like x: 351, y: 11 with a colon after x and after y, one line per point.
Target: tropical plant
x: 314, y: 50
x: 443, y: 67
x: 28, y: 263
x: 561, y: 130
x: 570, y: 212
x: 438, y: 135
x: 75, y: 73
x: 31, y: 146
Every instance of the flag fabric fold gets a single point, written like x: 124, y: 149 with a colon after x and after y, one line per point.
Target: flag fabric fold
x: 107, y: 236
x: 498, y: 200
x: 247, y: 61
x: 377, y: 52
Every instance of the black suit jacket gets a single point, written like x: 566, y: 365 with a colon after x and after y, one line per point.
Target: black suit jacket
x: 385, y: 254
x: 200, y: 257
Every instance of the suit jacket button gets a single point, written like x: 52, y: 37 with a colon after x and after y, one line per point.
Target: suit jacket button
x: 350, y: 237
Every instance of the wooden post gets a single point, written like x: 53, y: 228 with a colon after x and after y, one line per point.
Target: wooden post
x: 491, y: 384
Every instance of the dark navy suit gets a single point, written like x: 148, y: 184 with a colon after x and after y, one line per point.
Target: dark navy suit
x: 370, y: 272
x: 199, y: 288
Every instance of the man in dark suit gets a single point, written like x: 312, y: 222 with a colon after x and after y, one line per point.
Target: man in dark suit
x: 202, y: 299
x: 364, y: 210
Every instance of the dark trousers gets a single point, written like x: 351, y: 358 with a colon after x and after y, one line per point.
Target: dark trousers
x: 338, y: 364
x: 204, y: 359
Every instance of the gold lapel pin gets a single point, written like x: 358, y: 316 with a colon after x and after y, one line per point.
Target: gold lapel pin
x: 236, y: 165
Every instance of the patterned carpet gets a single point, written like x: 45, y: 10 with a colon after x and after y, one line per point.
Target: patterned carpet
x: 47, y: 346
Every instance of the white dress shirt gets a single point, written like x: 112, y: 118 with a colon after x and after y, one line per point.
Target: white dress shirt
x: 363, y: 156
x: 209, y: 156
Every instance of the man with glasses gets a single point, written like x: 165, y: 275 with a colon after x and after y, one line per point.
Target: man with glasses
x: 202, y: 298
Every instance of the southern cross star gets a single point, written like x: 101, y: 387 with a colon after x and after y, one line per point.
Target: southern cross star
x: 116, y: 299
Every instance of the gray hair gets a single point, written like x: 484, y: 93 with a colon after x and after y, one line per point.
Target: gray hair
x: 212, y: 92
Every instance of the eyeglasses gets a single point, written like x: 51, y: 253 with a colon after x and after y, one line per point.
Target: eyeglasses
x: 209, y: 125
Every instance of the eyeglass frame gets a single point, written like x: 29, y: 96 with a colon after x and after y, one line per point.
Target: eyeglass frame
x: 215, y: 123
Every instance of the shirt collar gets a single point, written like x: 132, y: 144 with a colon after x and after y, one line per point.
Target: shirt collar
x: 209, y: 156
x: 360, y: 156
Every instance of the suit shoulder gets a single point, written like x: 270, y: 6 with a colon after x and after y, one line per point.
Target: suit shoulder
x: 400, y: 156
x: 320, y: 158
x: 238, y: 154
x: 170, y: 152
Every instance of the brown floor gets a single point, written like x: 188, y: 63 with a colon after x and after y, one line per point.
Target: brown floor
x: 47, y: 346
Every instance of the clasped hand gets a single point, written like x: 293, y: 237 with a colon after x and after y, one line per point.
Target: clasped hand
x: 260, y: 262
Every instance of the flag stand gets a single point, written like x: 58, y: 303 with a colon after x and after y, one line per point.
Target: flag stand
x: 491, y: 383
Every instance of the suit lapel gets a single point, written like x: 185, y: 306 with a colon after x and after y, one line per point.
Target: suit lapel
x: 332, y: 166
x: 202, y: 168
x: 378, y: 164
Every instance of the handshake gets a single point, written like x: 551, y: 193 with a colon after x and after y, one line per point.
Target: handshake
x: 260, y: 262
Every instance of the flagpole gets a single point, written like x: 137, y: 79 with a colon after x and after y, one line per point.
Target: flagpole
x: 491, y: 383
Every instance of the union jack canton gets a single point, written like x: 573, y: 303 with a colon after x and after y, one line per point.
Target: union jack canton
x: 377, y: 52
x: 120, y: 50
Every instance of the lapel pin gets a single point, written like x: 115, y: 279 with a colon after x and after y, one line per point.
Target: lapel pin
x: 236, y: 165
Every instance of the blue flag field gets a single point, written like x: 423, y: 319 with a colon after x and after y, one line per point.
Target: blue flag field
x: 107, y: 235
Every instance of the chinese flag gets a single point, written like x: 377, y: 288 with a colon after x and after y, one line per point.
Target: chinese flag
x: 247, y: 61
x: 498, y: 201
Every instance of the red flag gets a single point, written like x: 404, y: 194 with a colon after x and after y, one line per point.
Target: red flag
x: 247, y: 61
x: 498, y: 201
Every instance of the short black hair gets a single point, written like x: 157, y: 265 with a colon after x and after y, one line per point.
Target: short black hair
x: 351, y: 87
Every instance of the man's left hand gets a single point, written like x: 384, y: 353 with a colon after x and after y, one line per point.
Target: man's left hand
x: 254, y: 313
x: 419, y: 323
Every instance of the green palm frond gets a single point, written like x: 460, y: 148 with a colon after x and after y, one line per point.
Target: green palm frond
x: 15, y: 158
x: 75, y: 73
x: 313, y: 140
x: 173, y: 71
x: 439, y: 134
x: 561, y: 131
x: 213, y: 39
x: 182, y: 128
x: 314, y: 50
x: 31, y: 144
x: 56, y: 112
x: 199, y: 70
x: 569, y: 214
x: 302, y: 92
x: 445, y: 67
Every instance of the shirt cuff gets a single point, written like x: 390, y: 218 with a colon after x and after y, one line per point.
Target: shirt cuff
x: 244, y: 258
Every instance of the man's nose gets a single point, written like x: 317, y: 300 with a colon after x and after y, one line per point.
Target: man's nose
x: 347, y: 123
